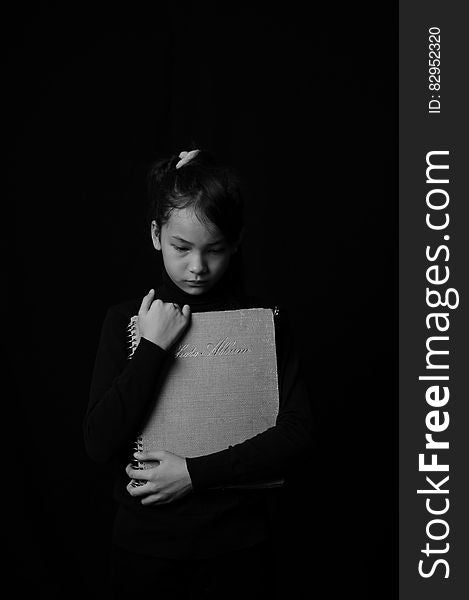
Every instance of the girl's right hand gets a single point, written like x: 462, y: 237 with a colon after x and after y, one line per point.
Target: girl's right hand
x: 162, y: 322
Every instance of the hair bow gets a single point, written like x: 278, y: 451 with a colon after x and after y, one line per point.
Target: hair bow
x: 186, y: 157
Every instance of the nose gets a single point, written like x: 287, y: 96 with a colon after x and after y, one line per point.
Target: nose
x: 197, y: 265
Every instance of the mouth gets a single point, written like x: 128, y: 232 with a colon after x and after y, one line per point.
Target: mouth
x: 195, y: 283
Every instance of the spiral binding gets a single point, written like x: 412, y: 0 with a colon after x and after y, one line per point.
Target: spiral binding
x: 136, y: 464
x: 132, y: 335
x: 133, y: 339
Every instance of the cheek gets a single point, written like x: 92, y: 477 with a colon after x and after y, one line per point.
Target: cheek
x: 174, y: 262
x: 221, y: 262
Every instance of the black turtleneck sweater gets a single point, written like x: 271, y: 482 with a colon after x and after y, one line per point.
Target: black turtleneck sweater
x: 207, y: 521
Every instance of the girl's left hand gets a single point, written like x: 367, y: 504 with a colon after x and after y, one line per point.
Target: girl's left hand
x: 163, y: 483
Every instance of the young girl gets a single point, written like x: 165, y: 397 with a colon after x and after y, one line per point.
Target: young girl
x: 176, y: 533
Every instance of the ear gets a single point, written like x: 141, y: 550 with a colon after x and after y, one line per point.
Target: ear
x: 155, y: 235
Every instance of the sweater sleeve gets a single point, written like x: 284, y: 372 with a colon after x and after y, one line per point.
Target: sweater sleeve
x: 120, y: 390
x: 270, y: 453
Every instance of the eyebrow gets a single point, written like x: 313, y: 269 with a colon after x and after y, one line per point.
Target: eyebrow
x: 180, y: 239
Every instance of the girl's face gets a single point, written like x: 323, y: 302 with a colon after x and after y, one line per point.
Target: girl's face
x: 195, y: 254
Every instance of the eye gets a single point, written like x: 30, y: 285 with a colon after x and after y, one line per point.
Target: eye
x: 217, y: 250
x: 180, y: 248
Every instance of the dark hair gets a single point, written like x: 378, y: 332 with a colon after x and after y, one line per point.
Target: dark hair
x: 212, y: 190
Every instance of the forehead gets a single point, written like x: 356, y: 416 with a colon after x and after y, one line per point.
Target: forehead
x: 185, y: 224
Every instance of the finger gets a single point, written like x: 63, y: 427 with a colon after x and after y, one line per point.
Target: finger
x: 133, y: 483
x: 154, y: 499
x: 157, y: 455
x: 141, y: 490
x: 146, y: 302
x: 186, y: 310
x: 142, y: 474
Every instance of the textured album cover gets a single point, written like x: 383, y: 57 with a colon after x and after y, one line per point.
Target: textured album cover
x: 221, y: 386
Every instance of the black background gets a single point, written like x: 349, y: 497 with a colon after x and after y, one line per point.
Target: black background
x: 302, y: 102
